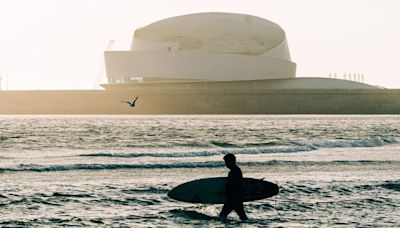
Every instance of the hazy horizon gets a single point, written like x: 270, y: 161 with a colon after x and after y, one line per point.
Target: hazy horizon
x: 59, y: 44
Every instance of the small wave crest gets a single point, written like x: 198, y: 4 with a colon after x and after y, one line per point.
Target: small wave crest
x: 183, y: 165
x: 147, y: 190
x: 3, y: 138
x: 389, y: 185
x: 224, y: 144
x: 62, y: 194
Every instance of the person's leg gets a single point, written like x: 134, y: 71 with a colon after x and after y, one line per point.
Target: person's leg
x: 226, y: 209
x: 239, y: 209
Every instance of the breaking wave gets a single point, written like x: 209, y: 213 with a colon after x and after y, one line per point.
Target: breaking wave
x: 203, y: 153
x: 299, y: 147
x: 370, y: 142
x: 183, y: 165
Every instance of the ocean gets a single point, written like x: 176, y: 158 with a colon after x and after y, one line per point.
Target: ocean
x: 102, y: 171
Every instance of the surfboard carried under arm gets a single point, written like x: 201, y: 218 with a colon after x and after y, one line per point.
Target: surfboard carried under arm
x: 212, y: 190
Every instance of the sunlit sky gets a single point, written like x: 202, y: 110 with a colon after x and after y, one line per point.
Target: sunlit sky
x: 59, y: 44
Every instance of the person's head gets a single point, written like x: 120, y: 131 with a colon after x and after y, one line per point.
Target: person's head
x: 230, y: 160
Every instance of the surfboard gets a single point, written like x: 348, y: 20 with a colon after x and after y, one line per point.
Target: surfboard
x: 212, y: 190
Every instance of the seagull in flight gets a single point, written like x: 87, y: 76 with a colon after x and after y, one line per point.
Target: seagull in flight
x: 132, y: 104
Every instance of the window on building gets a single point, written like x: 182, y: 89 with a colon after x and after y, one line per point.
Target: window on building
x: 136, y: 79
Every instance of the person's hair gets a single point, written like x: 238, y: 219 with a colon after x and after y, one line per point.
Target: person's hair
x: 230, y: 158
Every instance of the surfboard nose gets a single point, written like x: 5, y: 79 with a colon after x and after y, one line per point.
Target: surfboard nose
x: 275, y: 189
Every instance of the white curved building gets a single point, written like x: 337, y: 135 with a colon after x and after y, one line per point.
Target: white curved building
x: 212, y: 47
x: 204, y: 46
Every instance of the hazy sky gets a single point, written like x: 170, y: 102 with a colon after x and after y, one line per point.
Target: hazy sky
x: 59, y: 44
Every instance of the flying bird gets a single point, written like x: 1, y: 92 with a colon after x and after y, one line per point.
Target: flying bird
x: 132, y: 104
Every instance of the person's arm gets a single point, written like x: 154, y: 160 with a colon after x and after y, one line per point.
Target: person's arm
x: 233, y: 182
x: 228, y: 186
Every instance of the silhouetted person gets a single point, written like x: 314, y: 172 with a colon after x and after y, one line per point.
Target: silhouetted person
x: 234, y: 190
x: 132, y: 104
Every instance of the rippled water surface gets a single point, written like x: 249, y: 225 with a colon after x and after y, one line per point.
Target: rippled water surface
x: 117, y: 170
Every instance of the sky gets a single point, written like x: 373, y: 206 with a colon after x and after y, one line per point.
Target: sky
x: 59, y: 44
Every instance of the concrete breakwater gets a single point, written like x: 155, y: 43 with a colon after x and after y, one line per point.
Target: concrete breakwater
x: 202, y: 100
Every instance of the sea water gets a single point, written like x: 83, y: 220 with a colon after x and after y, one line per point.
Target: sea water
x: 106, y: 171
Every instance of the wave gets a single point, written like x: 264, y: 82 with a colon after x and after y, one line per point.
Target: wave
x: 154, y: 190
x: 370, y: 142
x: 184, y: 165
x: 38, y: 168
x: 300, y: 147
x: 61, y: 194
x: 389, y: 185
x: 191, y: 214
x: 202, y: 153
x: 392, y: 186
